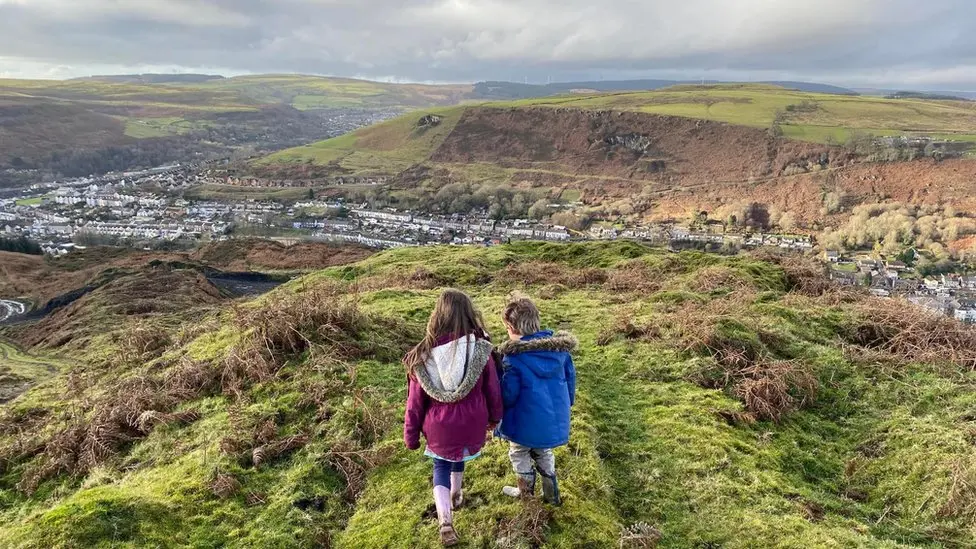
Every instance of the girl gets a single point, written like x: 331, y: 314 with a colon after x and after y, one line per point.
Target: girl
x: 454, y: 398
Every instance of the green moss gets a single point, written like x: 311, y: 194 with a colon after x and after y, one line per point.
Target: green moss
x: 214, y: 345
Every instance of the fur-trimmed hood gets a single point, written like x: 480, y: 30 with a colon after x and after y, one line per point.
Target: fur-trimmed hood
x: 453, y: 369
x: 558, y: 342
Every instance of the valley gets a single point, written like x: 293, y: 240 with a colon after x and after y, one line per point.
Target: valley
x: 737, y: 261
x: 89, y: 126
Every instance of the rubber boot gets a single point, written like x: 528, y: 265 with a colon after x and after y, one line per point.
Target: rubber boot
x: 550, y: 489
x: 445, y: 518
x: 525, y: 488
x: 457, y: 490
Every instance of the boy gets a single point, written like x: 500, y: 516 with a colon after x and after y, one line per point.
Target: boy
x: 538, y: 389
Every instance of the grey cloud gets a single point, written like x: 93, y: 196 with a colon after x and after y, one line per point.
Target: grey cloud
x: 869, y: 42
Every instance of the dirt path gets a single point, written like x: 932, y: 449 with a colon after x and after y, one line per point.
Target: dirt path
x: 628, y: 443
x: 19, y: 371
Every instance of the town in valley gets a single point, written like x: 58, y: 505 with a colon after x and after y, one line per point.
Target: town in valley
x: 156, y: 209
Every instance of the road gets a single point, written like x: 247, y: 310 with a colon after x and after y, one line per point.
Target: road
x: 9, y: 308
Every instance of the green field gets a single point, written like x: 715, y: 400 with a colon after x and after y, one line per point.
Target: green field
x: 315, y: 92
x: 36, y: 201
x: 721, y: 402
x: 162, y: 127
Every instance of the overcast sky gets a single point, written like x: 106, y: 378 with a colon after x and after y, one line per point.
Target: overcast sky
x: 885, y: 43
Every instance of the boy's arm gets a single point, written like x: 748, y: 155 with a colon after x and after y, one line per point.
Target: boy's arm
x: 511, y: 383
x: 413, y: 420
x: 571, y: 380
x: 493, y: 392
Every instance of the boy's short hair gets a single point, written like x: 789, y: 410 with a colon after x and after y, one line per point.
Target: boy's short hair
x: 522, y: 315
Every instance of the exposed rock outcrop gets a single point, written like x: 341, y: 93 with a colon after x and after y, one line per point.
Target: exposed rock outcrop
x: 634, y: 142
x: 429, y: 121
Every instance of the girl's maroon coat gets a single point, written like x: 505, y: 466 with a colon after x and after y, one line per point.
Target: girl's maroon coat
x: 452, y: 428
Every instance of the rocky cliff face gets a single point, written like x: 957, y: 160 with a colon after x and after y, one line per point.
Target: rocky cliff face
x: 662, y: 148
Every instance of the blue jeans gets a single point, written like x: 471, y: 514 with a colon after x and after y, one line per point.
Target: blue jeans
x: 443, y: 470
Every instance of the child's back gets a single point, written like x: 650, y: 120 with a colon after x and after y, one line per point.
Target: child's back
x: 538, y: 389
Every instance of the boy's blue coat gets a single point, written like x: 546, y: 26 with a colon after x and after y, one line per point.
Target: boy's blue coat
x: 538, y: 389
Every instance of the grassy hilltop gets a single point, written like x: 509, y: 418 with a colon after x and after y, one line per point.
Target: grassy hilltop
x: 724, y: 402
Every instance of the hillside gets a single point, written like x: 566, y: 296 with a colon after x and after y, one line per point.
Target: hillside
x: 724, y: 402
x: 77, y: 127
x: 655, y: 156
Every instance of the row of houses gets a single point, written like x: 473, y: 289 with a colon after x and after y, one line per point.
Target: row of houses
x: 960, y: 308
x: 105, y: 200
x: 361, y: 239
x: 167, y: 231
x: 670, y: 233
x: 472, y: 228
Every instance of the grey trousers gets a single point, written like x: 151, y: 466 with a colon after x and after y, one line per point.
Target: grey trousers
x: 523, y: 458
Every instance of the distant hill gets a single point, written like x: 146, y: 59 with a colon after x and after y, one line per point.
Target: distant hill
x: 657, y: 154
x: 514, y: 90
x: 155, y: 78
x: 92, y: 125
x: 924, y: 95
x: 812, y: 87
x: 952, y: 95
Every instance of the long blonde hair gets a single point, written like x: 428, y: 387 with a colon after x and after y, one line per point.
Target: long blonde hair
x: 454, y: 314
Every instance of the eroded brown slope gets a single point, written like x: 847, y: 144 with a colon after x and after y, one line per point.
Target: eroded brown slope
x: 687, y: 165
x: 640, y: 146
x: 951, y: 182
x: 246, y: 255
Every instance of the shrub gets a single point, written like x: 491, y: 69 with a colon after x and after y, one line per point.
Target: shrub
x: 910, y: 333
x: 741, y: 362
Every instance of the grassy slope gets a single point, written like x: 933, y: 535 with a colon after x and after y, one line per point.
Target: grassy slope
x: 18, y: 369
x: 868, y: 464
x: 835, y: 118
x: 312, y: 92
x: 389, y: 147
